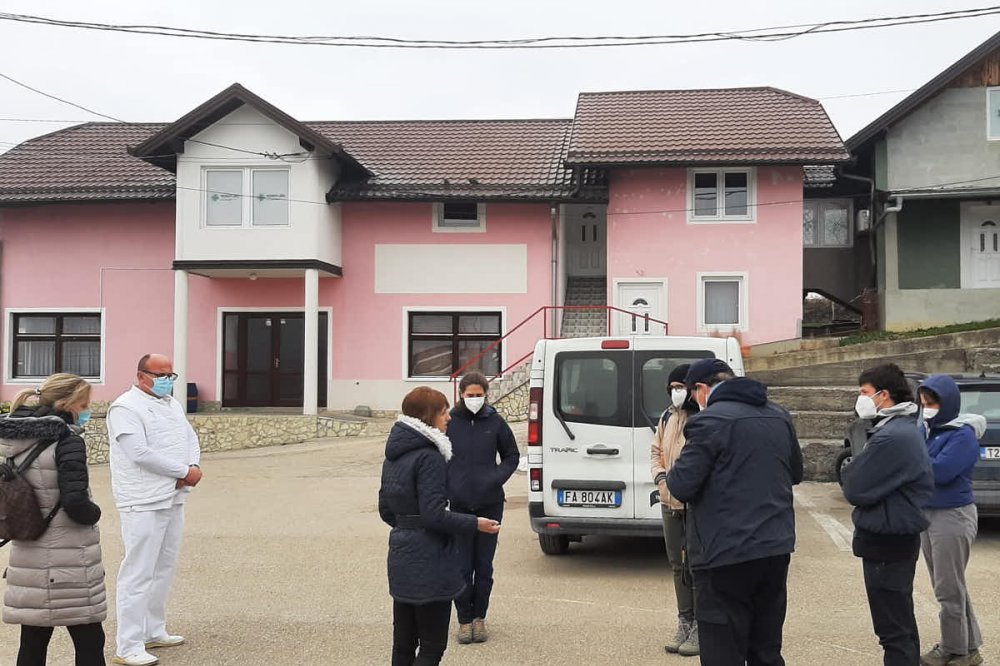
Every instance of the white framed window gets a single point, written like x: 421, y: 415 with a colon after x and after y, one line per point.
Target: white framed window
x: 459, y: 216
x: 722, y: 195
x: 827, y: 223
x: 722, y: 302
x: 993, y: 114
x: 245, y: 197
x: 40, y: 342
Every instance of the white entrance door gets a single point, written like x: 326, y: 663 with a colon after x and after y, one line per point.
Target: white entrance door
x: 981, y: 234
x: 586, y: 234
x: 643, y: 301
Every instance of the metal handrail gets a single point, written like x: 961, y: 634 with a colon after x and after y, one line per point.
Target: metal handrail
x: 545, y: 336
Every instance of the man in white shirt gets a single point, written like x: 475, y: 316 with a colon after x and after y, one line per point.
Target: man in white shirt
x: 155, y: 459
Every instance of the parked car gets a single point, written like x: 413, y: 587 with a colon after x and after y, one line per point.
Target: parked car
x: 980, y: 395
x: 594, y: 406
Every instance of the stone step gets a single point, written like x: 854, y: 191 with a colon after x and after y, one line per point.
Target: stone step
x: 818, y: 457
x: 822, y: 425
x: 814, y: 398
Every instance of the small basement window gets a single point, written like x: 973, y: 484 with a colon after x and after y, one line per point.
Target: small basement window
x: 460, y: 216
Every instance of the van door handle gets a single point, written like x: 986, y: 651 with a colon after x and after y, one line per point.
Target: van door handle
x: 601, y: 450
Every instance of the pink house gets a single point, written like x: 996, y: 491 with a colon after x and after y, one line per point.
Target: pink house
x: 332, y: 264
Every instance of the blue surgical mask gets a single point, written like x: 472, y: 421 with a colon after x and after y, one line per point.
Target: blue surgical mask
x: 84, y: 416
x: 163, y: 386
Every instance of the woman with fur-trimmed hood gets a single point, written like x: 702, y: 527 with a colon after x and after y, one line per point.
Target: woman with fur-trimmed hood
x: 58, y: 579
x: 424, y: 574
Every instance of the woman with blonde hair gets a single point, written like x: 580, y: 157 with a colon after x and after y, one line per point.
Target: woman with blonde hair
x: 58, y: 579
x: 424, y: 573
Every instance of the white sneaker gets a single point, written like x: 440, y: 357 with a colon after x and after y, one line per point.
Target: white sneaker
x: 136, y: 659
x: 164, y: 642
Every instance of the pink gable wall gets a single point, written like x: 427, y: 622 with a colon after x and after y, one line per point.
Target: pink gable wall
x: 649, y: 236
x: 115, y: 256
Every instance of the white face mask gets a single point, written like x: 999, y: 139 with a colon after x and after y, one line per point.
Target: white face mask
x: 930, y: 412
x: 678, y: 397
x: 474, y: 404
x: 866, y: 407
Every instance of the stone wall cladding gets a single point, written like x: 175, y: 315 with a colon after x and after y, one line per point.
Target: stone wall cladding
x: 232, y: 432
x: 514, y: 406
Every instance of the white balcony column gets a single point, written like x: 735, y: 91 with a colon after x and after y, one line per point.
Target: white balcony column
x: 310, y: 394
x: 181, y: 336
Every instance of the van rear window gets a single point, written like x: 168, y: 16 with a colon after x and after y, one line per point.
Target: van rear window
x: 593, y: 387
x: 654, y: 370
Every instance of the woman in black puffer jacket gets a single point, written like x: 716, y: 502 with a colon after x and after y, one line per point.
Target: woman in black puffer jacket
x: 424, y: 575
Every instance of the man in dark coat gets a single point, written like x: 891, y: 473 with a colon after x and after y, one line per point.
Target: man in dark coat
x: 736, y: 473
x: 889, y: 483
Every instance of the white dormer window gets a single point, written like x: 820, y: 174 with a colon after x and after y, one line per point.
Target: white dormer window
x: 246, y: 197
x: 459, y: 216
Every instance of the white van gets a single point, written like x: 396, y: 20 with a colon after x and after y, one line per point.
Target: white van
x: 594, y: 406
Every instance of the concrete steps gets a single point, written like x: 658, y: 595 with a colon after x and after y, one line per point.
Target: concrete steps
x: 581, y: 291
x: 822, y: 416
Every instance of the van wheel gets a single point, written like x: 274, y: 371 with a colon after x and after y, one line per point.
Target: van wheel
x: 553, y: 544
x: 843, y: 459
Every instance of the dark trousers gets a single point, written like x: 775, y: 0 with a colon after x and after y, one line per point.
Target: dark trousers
x: 476, y: 552
x: 890, y: 597
x: 741, y: 612
x: 88, y: 639
x: 424, y: 626
x: 673, y: 535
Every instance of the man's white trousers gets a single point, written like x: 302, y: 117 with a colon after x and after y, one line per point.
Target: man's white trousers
x: 152, y: 543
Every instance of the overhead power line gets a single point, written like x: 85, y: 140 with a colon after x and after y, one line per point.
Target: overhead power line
x: 776, y: 33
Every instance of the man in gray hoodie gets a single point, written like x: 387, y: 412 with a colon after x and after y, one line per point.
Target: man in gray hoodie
x: 889, y: 483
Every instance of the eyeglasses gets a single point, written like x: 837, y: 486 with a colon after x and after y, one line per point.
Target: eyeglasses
x: 172, y: 376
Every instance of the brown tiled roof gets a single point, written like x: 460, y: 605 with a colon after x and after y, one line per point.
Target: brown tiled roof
x: 496, y: 159
x: 820, y: 176
x: 436, y: 159
x: 81, y: 163
x: 673, y: 127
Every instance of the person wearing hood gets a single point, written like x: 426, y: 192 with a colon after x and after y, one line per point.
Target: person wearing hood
x: 479, y: 436
x: 56, y: 580
x: 666, y: 447
x: 953, y: 446
x: 423, y: 566
x: 736, y: 473
x: 889, y: 483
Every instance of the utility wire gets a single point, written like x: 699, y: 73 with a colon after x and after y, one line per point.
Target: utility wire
x: 777, y: 33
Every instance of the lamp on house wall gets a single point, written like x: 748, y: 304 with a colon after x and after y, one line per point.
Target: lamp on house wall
x: 253, y: 276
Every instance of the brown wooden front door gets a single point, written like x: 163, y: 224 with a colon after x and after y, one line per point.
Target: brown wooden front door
x: 263, y: 360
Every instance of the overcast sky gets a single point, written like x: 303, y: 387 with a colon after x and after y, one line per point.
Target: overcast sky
x: 143, y: 78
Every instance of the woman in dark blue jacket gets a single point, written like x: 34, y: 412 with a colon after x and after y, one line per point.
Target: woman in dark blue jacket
x: 424, y: 576
x: 475, y: 486
x: 952, y: 442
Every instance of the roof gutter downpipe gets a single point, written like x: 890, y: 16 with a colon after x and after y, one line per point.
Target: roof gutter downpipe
x: 554, y: 215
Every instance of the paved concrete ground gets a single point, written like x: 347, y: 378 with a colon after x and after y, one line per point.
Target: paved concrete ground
x: 284, y: 563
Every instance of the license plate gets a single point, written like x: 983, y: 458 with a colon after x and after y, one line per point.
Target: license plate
x: 590, y: 498
x: 989, y: 453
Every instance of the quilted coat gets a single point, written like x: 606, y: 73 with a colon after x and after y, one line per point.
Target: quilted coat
x: 57, y: 580
x: 423, y: 561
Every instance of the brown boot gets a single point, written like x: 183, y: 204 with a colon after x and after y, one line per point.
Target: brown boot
x: 479, y: 632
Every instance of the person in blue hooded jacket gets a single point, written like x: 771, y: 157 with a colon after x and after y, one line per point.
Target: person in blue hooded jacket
x: 479, y: 436
x: 953, y: 446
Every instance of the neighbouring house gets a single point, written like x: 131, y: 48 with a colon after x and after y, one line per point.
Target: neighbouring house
x: 933, y: 164
x: 332, y: 264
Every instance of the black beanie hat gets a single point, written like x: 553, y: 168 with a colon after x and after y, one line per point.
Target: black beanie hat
x: 679, y: 373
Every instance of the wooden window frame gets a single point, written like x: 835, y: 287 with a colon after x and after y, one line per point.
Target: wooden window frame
x: 58, y: 338
x: 455, y: 337
x: 818, y: 205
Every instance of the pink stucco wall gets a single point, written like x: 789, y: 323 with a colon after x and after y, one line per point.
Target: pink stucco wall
x: 649, y: 236
x: 115, y: 256
x: 361, y: 315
